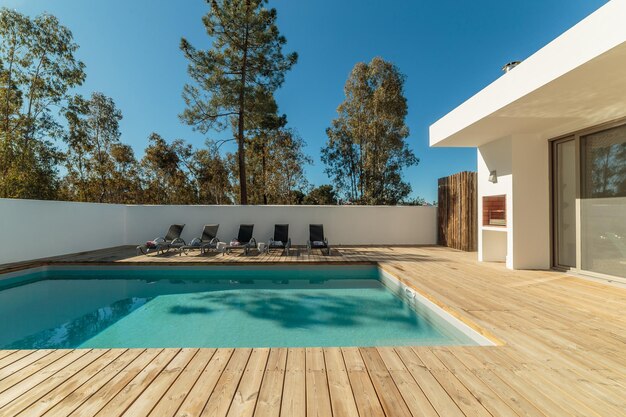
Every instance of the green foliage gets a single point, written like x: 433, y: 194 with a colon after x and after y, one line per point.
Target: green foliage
x: 417, y: 201
x: 232, y: 86
x: 233, y: 81
x: 177, y: 174
x: 322, y: 195
x: 276, y: 166
x: 206, y: 170
x: 164, y: 180
x: 94, y: 152
x: 37, y: 71
x: 366, y: 149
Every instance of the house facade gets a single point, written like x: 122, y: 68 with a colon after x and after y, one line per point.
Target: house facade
x: 551, y: 145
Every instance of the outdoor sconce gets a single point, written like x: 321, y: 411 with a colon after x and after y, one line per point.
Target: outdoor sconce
x: 493, y: 176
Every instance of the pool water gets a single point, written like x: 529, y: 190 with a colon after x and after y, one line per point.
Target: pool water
x: 214, y: 307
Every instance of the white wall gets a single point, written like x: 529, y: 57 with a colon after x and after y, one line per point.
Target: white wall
x: 522, y: 166
x: 36, y: 229
x: 495, y: 156
x: 531, y: 202
x: 345, y: 225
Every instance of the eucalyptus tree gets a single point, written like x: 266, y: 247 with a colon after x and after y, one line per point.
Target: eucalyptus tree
x: 125, y: 180
x: 277, y: 166
x: 322, y: 195
x: 206, y: 170
x: 38, y: 69
x: 176, y: 173
x: 93, y: 137
x: 367, y: 149
x: 163, y: 179
x: 233, y: 81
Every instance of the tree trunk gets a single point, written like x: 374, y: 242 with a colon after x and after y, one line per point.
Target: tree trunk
x: 243, y: 188
x: 263, y: 169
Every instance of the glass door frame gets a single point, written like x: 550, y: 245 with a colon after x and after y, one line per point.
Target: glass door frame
x: 554, y: 239
x: 576, y: 136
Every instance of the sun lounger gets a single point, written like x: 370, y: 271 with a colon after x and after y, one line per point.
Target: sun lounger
x: 317, y: 239
x: 281, y: 239
x: 207, y: 241
x: 243, y: 241
x: 163, y: 244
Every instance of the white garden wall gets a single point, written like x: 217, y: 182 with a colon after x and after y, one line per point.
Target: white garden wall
x: 35, y: 229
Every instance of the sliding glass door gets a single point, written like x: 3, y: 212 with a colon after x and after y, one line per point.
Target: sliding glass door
x: 603, y: 203
x: 564, y: 202
x: 589, y: 201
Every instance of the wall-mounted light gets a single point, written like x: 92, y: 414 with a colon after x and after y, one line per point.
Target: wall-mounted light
x: 493, y: 176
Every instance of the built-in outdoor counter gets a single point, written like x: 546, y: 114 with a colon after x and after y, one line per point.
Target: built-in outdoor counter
x: 494, y: 228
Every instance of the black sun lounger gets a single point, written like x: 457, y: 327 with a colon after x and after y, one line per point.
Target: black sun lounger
x: 207, y: 241
x: 317, y: 239
x: 163, y: 244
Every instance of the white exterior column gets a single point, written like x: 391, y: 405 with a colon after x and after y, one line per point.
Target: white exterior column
x: 522, y: 170
x: 531, y: 202
x: 495, y: 243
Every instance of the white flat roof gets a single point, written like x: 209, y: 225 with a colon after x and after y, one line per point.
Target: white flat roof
x: 576, y: 81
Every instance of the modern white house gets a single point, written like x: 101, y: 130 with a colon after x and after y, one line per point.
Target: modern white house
x: 551, y: 141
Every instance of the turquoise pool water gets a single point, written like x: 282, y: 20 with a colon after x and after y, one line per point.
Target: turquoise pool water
x: 213, y: 307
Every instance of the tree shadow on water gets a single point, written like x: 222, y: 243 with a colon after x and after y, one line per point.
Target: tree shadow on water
x: 311, y: 310
x: 183, y: 310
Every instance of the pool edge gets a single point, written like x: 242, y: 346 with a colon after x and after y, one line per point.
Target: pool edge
x: 447, y: 313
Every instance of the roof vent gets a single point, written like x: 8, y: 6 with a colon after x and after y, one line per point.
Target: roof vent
x: 508, y: 67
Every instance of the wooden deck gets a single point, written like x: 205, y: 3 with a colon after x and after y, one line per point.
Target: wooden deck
x: 564, y: 354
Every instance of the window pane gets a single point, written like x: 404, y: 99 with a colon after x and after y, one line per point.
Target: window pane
x: 603, y: 207
x: 565, y: 203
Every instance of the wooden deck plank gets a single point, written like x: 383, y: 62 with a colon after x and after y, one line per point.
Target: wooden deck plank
x: 388, y: 393
x: 198, y: 396
x: 317, y: 392
x: 293, y: 403
x: 23, y: 387
x: 68, y: 404
x: 44, y: 387
x: 270, y: 395
x: 148, y: 399
x: 53, y: 397
x: 464, y: 399
x: 6, y: 352
x: 485, y: 395
x: 245, y: 398
x: 543, y: 400
x: 124, y: 398
x: 341, y: 395
x: 366, y: 399
x: 176, y: 394
x: 413, y: 395
x: 23, y: 362
x: 97, y: 400
x: 36, y: 367
x: 436, y: 394
x: 222, y: 395
x: 16, y: 357
x: 576, y: 402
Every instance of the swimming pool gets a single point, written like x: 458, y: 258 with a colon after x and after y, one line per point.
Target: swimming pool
x: 230, y: 306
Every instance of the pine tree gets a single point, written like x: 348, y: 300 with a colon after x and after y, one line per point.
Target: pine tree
x: 233, y: 81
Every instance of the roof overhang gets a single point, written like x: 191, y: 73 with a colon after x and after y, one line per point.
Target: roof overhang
x: 576, y: 81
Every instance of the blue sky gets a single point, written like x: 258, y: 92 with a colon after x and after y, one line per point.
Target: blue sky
x: 448, y: 49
